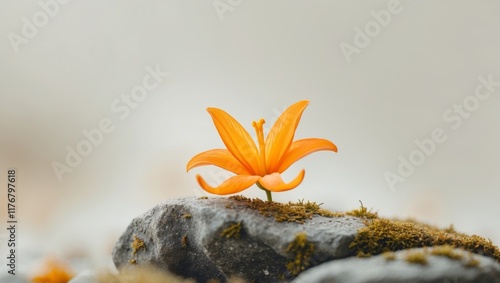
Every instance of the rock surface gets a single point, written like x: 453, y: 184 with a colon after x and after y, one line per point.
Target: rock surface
x: 199, y: 238
x: 397, y: 268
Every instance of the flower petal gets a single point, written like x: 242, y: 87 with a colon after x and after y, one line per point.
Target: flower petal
x: 218, y: 157
x: 302, y: 148
x: 232, y: 185
x: 274, y: 183
x: 281, y: 134
x: 237, y: 140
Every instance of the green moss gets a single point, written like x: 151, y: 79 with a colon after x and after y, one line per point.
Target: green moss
x: 302, y: 251
x: 285, y: 212
x: 362, y: 212
x: 233, y: 231
x: 447, y: 251
x: 420, y: 257
x: 380, y: 235
x: 298, y: 211
x: 383, y: 235
x: 416, y: 257
x: 450, y: 229
x: 362, y: 254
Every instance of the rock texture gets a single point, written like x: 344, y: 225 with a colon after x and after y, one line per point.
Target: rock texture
x: 407, y: 266
x: 219, y: 238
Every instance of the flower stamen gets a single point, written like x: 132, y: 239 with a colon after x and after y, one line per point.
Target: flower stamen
x: 259, y: 129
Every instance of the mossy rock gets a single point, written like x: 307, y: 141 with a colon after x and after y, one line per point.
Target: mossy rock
x: 261, y: 241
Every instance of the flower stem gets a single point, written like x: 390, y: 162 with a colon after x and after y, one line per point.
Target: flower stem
x: 268, y: 192
x: 269, y: 196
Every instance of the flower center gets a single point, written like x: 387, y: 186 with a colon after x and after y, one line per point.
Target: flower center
x: 262, y: 146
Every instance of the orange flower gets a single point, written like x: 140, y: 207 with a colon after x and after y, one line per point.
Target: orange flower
x: 55, y: 272
x: 261, y: 166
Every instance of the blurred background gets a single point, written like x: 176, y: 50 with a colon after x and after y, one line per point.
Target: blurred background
x: 378, y: 75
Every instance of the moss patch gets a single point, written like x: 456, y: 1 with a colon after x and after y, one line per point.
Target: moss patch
x: 421, y: 256
x: 233, y: 231
x: 302, y: 251
x: 380, y: 234
x: 362, y: 212
x: 384, y: 235
x: 447, y: 251
x: 416, y: 257
x: 286, y: 212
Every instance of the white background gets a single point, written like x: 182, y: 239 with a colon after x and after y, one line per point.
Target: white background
x: 252, y: 60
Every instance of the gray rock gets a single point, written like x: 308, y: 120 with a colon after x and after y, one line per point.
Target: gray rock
x: 379, y: 269
x: 184, y: 237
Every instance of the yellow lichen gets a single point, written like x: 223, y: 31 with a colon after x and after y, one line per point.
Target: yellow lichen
x: 416, y: 257
x: 137, y: 244
x: 233, y: 231
x: 187, y: 215
x: 302, y: 251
